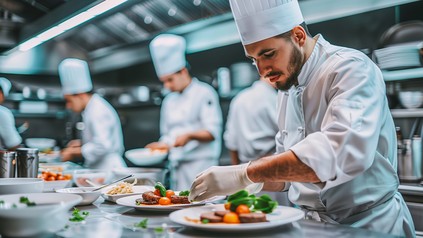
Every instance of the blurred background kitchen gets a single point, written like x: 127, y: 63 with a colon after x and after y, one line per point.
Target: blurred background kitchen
x: 35, y: 37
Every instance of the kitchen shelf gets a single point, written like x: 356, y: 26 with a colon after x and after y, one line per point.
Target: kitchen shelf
x: 407, y: 113
x: 398, y: 75
x: 57, y: 115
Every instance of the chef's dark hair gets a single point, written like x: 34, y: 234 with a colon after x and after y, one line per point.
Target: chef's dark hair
x: 287, y: 34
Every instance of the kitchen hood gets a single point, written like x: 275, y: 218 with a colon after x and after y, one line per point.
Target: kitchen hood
x: 119, y: 38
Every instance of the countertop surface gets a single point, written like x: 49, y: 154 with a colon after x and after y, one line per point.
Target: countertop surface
x: 107, y: 219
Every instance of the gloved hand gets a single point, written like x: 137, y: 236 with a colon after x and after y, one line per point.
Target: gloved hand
x: 222, y: 180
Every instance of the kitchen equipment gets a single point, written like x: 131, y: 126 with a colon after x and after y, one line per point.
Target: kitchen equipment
x: 243, y: 75
x: 21, y: 185
x: 7, y: 164
x: 27, y: 162
x: 224, y: 81
x: 411, y: 99
x: 42, y: 144
x: 116, y: 181
x: 97, y: 176
x: 145, y: 156
x: 410, y: 161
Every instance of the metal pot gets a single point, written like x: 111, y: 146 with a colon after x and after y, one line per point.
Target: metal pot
x: 410, y: 160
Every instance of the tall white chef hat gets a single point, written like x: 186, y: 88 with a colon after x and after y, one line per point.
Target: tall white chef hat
x: 257, y: 20
x: 5, y: 86
x: 168, y: 54
x: 75, y: 76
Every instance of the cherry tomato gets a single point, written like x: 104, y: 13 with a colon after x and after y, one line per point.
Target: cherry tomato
x: 164, y: 201
x: 227, y: 206
x: 231, y: 217
x: 242, y: 209
x: 50, y: 178
x: 157, y: 192
x: 169, y: 193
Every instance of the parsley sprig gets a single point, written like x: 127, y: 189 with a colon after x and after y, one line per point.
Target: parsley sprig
x: 78, y: 216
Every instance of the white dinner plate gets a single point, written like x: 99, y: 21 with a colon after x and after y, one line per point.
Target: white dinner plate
x: 282, y: 215
x: 130, y: 202
x: 138, y: 190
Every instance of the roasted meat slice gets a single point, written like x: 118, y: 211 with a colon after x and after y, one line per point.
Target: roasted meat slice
x: 252, y: 217
x: 175, y: 199
x: 150, y: 198
x: 211, y: 217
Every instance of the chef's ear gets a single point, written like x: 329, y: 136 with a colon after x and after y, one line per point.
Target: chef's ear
x: 299, y: 35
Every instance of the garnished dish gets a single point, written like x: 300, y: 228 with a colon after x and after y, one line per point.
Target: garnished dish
x: 163, y: 196
x: 241, y: 212
x: 161, y: 199
x: 241, y: 208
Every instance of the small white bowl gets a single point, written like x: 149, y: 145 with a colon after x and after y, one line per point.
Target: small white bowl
x: 21, y: 185
x: 51, y: 186
x: 145, y: 156
x: 96, y: 176
x: 88, y: 196
x: 411, y: 99
x: 49, y: 215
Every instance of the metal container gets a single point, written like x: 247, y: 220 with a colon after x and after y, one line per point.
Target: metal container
x: 7, y: 164
x: 410, y: 160
x: 27, y: 162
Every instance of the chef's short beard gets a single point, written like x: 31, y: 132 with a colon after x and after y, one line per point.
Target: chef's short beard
x: 294, y: 69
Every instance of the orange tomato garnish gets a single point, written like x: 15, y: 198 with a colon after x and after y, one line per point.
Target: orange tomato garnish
x: 227, y: 206
x: 242, y: 209
x: 164, y: 201
x: 231, y: 217
x: 169, y: 193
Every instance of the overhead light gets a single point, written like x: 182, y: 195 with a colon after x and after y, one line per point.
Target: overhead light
x: 70, y: 23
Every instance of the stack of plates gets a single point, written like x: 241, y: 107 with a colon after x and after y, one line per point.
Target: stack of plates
x: 399, y: 56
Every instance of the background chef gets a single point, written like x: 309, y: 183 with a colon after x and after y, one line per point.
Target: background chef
x: 102, y: 140
x: 336, y: 142
x: 190, y: 116
x: 9, y: 136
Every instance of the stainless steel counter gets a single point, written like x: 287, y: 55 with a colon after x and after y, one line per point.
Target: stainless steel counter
x: 113, y: 221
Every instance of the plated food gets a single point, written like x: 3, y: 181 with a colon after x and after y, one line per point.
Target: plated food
x: 163, y: 196
x: 191, y: 217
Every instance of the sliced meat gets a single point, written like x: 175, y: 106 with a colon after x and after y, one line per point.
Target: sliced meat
x: 211, y: 217
x: 150, y: 198
x: 252, y: 217
x: 179, y: 199
x: 221, y: 213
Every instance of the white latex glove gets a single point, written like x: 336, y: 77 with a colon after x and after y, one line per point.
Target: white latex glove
x: 222, y: 180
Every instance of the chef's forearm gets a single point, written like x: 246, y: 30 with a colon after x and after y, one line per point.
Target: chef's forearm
x: 281, y: 167
x: 234, y: 157
x: 201, y: 135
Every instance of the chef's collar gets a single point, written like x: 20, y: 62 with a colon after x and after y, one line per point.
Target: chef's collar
x: 312, y: 61
x: 189, y: 87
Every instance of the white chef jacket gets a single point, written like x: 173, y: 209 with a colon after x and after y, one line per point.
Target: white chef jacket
x: 9, y: 136
x: 102, y: 139
x: 196, y: 108
x: 337, y: 122
x: 251, y: 124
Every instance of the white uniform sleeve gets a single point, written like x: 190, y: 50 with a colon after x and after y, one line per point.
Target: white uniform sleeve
x: 8, y: 133
x: 346, y: 145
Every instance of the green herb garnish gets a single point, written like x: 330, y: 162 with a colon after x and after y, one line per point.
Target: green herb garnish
x: 263, y: 203
x: 142, y: 224
x: 1, y: 202
x: 159, y: 229
x: 184, y: 193
x: 161, y: 188
x: 26, y: 201
x: 78, y: 216
x: 205, y: 221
